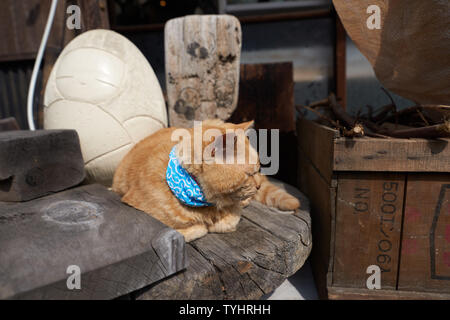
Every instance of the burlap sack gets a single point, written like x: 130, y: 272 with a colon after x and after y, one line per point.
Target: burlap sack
x: 410, y: 53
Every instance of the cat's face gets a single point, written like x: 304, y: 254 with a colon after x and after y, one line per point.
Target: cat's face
x: 229, y: 163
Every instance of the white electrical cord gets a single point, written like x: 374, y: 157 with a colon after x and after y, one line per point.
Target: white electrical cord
x: 37, y: 64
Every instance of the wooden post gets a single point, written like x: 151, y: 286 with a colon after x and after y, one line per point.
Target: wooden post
x: 340, y: 64
x: 202, y: 67
x: 266, y: 95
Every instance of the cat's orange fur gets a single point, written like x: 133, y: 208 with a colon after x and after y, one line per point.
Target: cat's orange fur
x: 141, y: 181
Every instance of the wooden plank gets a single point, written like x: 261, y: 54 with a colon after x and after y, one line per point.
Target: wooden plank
x: 199, y: 281
x: 36, y: 163
x: 339, y: 293
x: 266, y: 95
x: 340, y: 76
x: 94, y: 14
x: 368, y: 226
x: 23, y: 23
x: 9, y: 124
x: 392, y: 155
x: 317, y: 143
x: 117, y: 248
x: 202, y: 67
x: 425, y: 253
x: 267, y: 247
x: 322, y: 200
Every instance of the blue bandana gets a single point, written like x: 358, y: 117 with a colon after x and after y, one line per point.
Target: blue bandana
x: 183, y: 185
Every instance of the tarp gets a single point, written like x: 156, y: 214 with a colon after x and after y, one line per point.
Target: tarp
x: 410, y: 52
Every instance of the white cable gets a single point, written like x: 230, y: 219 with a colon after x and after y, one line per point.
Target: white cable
x: 37, y: 64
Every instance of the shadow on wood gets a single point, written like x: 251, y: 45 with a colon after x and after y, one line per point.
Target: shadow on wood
x: 268, y: 246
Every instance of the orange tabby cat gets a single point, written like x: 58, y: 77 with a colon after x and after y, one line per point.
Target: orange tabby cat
x: 141, y: 179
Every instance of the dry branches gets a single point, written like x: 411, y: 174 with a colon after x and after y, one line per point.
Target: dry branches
x: 419, y: 121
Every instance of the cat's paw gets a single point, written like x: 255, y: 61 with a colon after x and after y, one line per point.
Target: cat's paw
x: 289, y: 204
x: 193, y: 232
x: 245, y: 202
x: 226, y: 224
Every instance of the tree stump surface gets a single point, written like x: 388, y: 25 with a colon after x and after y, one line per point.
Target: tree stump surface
x: 267, y: 247
x: 202, y: 67
x: 117, y: 248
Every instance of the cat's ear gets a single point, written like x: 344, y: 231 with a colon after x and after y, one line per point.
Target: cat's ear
x: 245, y: 125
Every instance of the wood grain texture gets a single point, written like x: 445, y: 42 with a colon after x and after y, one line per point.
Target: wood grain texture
x: 392, y: 155
x: 202, y: 67
x: 322, y: 197
x: 316, y: 141
x: 368, y: 226
x: 267, y: 247
x: 340, y: 54
x: 36, y: 163
x: 370, y: 154
x: 340, y: 293
x: 361, y: 192
x: 22, y: 25
x: 425, y: 253
x: 118, y: 249
x: 95, y: 14
x: 266, y: 95
x: 9, y: 124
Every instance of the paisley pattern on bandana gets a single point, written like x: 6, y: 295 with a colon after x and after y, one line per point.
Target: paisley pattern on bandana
x: 183, y: 185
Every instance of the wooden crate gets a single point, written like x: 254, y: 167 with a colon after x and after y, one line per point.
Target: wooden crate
x: 382, y: 202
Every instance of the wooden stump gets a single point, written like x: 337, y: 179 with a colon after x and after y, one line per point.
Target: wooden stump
x: 268, y: 246
x: 36, y: 163
x: 202, y: 67
x: 117, y: 248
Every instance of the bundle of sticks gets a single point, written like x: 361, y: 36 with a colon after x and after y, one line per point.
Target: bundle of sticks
x: 419, y: 121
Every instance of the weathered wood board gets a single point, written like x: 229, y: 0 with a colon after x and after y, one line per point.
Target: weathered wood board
x: 36, y: 163
x: 23, y: 23
x: 267, y: 247
x: 117, y: 248
x: 322, y: 198
x: 371, y: 154
x: 394, y: 155
x: 266, y: 95
x: 425, y: 255
x: 342, y: 293
x: 202, y: 67
x: 380, y: 202
x: 368, y: 225
x: 9, y: 124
